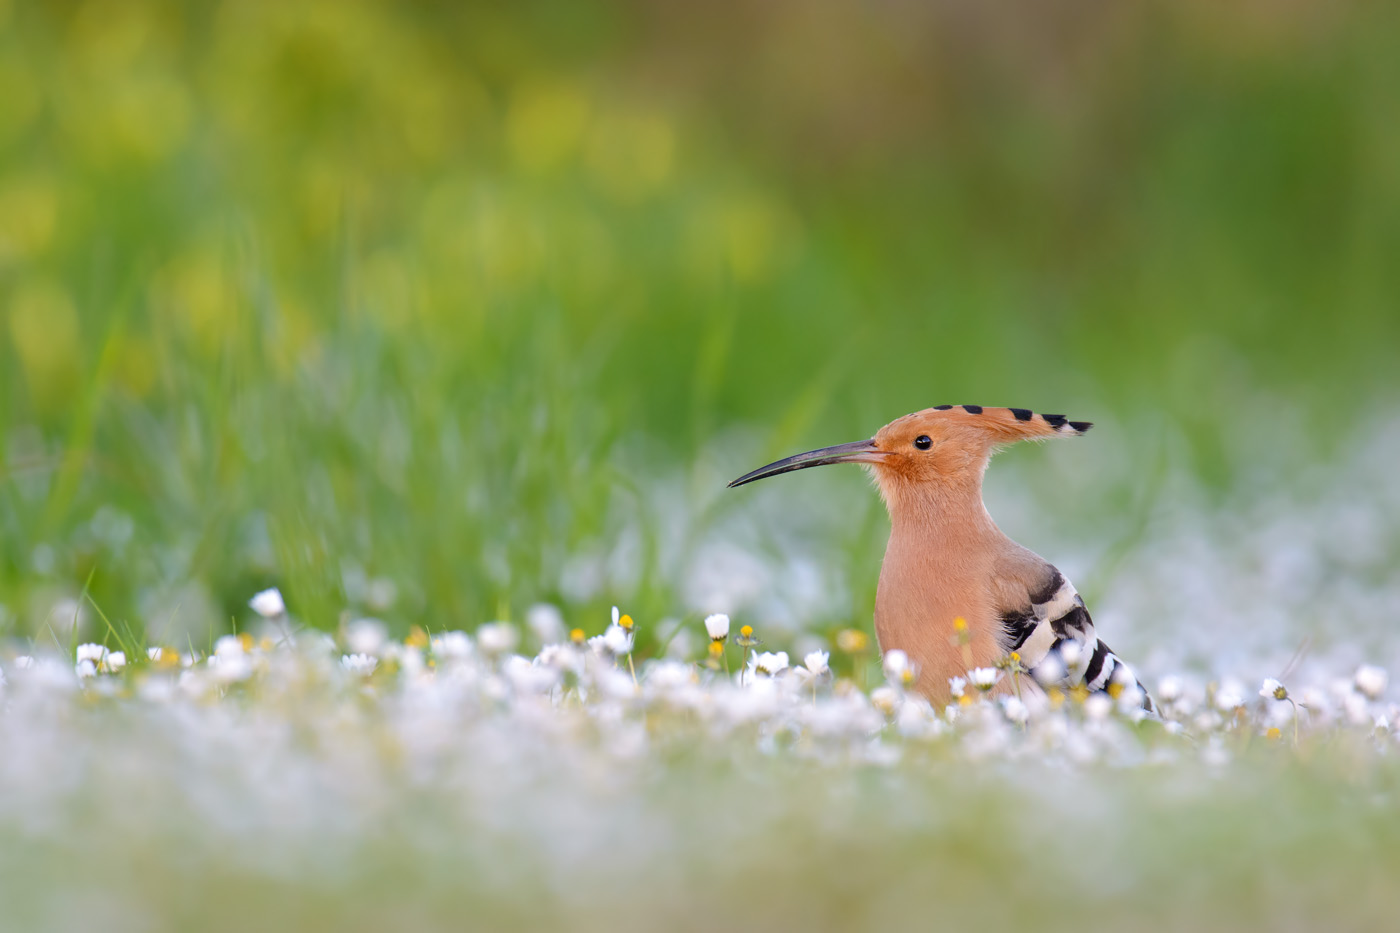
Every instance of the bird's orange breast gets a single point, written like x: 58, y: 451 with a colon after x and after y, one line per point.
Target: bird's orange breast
x: 933, y: 604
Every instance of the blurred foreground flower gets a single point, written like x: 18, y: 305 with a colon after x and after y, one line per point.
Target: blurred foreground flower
x: 497, y: 637
x: 546, y: 622
x: 984, y: 678
x: 899, y: 670
x: 568, y: 694
x: 359, y: 664
x: 1371, y: 681
x: 618, y: 640
x: 769, y: 663
x: 852, y: 641
x: 717, y: 627
x: 268, y: 603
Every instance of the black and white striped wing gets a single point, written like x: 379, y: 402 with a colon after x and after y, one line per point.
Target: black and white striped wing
x: 1057, y: 643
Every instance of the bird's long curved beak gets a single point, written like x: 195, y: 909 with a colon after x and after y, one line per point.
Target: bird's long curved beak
x: 856, y: 452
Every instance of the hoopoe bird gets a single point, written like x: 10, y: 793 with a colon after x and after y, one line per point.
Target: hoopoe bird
x: 955, y: 593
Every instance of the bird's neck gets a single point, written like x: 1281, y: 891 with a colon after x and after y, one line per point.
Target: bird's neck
x: 949, y: 513
x: 934, y: 579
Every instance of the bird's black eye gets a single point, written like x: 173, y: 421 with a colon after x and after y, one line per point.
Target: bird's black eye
x: 923, y: 442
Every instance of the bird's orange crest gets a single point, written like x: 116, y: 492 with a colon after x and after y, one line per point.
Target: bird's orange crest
x: 947, y: 443
x: 936, y: 445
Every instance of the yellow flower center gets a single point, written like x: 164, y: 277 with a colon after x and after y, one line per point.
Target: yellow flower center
x: 852, y: 641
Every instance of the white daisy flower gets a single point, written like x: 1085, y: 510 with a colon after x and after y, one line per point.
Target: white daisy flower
x: 1355, y: 706
x: 816, y: 662
x: 115, y: 661
x: 268, y: 603
x: 366, y: 636
x: 229, y: 661
x: 885, y: 699
x: 561, y: 657
x: 1371, y: 680
x: 529, y: 678
x: 1070, y: 653
x: 1315, y: 701
x: 1015, y: 710
x: 1050, y: 671
x: 896, y: 665
x: 1227, y: 699
x: 617, y: 640
x: 92, y: 652
x: 497, y: 637
x: 984, y: 678
x: 546, y: 622
x: 956, y: 685
x: 717, y: 626
x: 768, y: 662
x: 453, y: 646
x: 360, y: 663
x: 1273, y: 690
x: 1097, y: 706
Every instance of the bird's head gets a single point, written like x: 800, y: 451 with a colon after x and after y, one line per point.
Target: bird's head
x: 942, y: 446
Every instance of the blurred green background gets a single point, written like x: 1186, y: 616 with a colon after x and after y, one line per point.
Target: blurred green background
x: 402, y: 307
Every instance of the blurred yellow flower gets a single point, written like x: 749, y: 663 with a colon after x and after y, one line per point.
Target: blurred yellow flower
x: 134, y: 363
x: 198, y: 294
x: 852, y: 640
x: 630, y: 155
x: 19, y: 97
x: 386, y: 289
x: 545, y: 123
x: 28, y: 217
x: 44, y: 327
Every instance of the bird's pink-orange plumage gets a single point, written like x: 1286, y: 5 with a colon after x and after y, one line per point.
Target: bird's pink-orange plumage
x: 948, y: 561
